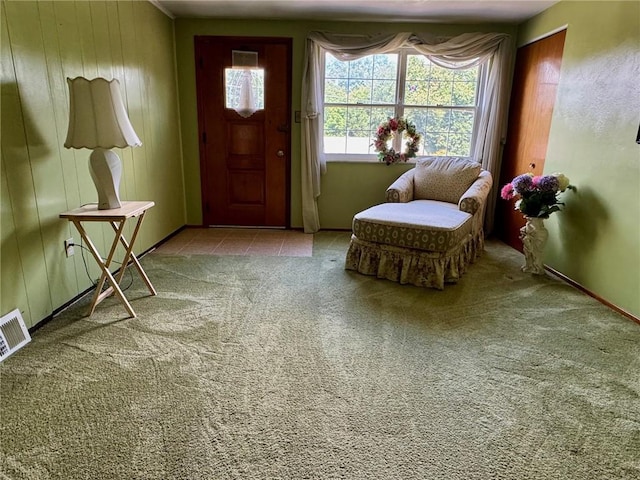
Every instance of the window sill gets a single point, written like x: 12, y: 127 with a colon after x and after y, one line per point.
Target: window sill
x: 361, y: 159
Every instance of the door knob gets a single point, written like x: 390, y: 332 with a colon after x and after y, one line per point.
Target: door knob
x: 280, y: 153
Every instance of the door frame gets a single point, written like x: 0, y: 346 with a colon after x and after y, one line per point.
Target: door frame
x: 205, y: 165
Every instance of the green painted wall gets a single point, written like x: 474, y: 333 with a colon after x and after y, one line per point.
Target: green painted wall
x: 347, y: 187
x: 596, y: 239
x: 42, y: 44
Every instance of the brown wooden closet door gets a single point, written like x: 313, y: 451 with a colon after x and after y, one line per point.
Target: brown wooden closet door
x: 533, y: 96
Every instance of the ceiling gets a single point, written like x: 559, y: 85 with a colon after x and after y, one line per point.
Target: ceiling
x: 432, y: 11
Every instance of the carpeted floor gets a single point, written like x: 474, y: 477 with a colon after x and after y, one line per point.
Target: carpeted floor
x: 293, y: 368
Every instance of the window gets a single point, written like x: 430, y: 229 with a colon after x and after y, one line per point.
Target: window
x: 252, y: 80
x: 361, y: 94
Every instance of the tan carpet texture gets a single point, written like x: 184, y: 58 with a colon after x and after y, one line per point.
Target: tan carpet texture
x: 293, y: 368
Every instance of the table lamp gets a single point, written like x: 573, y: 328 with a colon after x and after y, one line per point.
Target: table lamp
x: 99, y: 121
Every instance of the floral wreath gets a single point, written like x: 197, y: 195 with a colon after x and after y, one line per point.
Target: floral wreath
x: 386, y: 131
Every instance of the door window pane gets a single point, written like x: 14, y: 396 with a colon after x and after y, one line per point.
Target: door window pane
x: 237, y: 81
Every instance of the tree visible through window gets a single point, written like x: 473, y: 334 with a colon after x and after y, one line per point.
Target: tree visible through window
x: 361, y: 94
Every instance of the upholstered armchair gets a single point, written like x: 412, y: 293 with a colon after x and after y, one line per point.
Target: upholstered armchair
x: 430, y: 229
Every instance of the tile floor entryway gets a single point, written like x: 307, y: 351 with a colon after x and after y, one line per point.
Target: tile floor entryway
x: 239, y: 241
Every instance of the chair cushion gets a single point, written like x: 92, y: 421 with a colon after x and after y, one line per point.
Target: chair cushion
x: 421, y: 224
x: 444, y: 178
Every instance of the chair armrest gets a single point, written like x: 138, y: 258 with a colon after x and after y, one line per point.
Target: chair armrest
x: 401, y: 191
x: 476, y: 195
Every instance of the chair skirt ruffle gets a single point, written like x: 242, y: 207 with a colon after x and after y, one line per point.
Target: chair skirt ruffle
x: 415, y: 267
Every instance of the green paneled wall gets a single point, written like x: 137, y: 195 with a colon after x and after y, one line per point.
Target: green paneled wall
x: 42, y: 44
x: 596, y: 239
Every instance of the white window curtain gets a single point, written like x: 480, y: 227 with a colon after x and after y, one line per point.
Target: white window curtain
x: 463, y: 51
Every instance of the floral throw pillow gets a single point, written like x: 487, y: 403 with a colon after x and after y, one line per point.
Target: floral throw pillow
x: 444, y: 178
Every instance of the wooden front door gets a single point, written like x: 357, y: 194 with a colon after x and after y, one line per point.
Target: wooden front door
x: 244, y: 162
x: 533, y: 96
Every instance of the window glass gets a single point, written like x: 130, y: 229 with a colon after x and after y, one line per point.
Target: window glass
x: 234, y: 79
x: 361, y: 94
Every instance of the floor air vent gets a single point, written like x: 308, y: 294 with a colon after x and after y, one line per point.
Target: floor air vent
x: 13, y: 334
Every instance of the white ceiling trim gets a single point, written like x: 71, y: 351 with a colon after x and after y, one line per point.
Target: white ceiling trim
x: 162, y: 8
x: 428, y: 11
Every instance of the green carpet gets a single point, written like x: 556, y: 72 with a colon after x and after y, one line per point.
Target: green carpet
x: 293, y: 368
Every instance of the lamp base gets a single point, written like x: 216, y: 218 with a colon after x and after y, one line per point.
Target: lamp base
x: 106, y: 169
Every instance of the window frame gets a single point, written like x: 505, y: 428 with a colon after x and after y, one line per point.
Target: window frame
x: 399, y: 106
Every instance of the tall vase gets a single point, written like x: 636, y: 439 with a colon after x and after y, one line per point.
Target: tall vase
x: 534, y: 237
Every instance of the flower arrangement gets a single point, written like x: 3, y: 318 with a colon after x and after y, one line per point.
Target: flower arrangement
x: 386, y: 131
x: 538, y: 194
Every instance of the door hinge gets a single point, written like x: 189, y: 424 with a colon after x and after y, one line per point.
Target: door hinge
x: 204, y: 137
x: 201, y: 61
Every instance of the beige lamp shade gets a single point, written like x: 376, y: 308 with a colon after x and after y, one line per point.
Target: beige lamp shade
x: 99, y: 121
x: 97, y: 117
